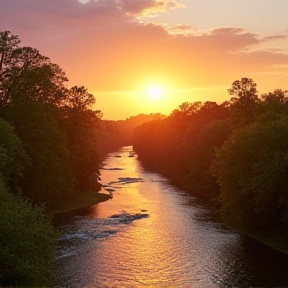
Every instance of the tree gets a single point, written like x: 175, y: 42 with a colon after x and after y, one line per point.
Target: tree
x: 49, y: 178
x: 8, y: 43
x: 24, y: 69
x: 276, y: 102
x: 78, y: 99
x: 187, y: 109
x: 80, y: 124
x: 244, y: 101
x: 34, y: 75
x: 200, y: 145
x: 251, y: 169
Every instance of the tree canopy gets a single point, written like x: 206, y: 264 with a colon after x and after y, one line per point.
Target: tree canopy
x: 244, y: 101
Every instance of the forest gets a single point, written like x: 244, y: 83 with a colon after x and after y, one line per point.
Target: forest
x: 234, y: 154
x: 52, y: 142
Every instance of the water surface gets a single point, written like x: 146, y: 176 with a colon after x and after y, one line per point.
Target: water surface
x: 153, y: 234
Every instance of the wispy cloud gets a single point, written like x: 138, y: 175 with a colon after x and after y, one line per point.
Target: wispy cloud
x: 183, y: 29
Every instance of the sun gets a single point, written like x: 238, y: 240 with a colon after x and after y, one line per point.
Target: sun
x: 154, y: 92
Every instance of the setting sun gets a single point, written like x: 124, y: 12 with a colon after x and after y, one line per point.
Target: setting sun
x: 155, y: 92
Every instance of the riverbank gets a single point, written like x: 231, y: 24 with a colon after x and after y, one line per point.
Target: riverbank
x: 82, y: 201
x: 277, y: 243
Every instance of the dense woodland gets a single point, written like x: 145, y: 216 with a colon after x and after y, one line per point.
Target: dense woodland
x: 234, y: 153
x: 52, y: 142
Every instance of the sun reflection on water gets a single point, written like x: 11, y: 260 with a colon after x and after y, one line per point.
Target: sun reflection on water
x: 148, y: 250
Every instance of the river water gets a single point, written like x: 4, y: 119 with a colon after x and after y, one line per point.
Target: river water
x: 153, y: 234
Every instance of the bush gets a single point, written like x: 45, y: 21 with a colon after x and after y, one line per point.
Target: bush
x: 27, y: 242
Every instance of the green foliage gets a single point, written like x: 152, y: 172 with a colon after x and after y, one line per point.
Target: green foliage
x: 49, y: 178
x: 80, y: 125
x: 27, y: 239
x: 27, y: 242
x: 13, y: 158
x: 276, y: 102
x: 25, y: 70
x: 200, y: 146
x: 79, y: 99
x: 251, y: 169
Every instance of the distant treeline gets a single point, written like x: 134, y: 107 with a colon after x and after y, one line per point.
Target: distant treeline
x: 52, y: 144
x: 234, y: 153
x: 115, y: 134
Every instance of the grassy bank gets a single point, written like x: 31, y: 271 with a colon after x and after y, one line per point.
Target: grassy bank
x: 81, y: 201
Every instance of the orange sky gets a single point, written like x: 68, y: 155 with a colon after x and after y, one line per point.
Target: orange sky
x: 117, y: 49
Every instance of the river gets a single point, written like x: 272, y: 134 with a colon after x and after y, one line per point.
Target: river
x: 154, y: 234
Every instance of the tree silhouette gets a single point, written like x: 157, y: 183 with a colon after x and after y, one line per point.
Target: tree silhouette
x: 244, y: 100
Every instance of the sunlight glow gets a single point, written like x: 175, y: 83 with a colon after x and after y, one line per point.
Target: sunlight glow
x: 155, y: 92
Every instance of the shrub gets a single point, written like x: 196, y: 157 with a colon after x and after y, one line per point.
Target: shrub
x: 27, y: 242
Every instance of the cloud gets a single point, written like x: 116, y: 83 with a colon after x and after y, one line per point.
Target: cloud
x: 102, y: 45
x: 87, y: 8
x: 65, y: 16
x: 183, y: 29
x: 275, y: 37
x: 147, y: 7
x: 61, y: 11
x: 227, y: 31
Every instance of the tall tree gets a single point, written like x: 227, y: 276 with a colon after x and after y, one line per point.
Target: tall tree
x: 80, y: 124
x: 25, y: 69
x: 244, y: 101
x: 8, y: 44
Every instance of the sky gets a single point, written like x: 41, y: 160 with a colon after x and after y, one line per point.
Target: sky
x: 192, y: 49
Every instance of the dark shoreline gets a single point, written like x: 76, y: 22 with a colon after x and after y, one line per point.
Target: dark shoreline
x: 82, y: 201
